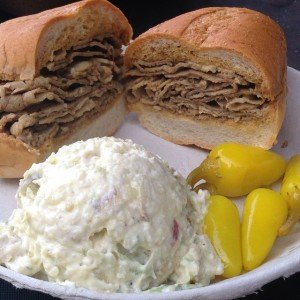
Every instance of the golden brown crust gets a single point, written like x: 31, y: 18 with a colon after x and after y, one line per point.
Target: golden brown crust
x: 242, y: 33
x: 26, y: 43
x: 207, y: 133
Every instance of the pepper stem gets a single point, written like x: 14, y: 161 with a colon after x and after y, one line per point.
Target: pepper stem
x: 206, y: 186
x: 293, y: 217
x: 194, y: 176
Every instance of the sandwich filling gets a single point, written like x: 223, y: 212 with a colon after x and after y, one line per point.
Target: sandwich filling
x: 190, y: 89
x: 75, y: 84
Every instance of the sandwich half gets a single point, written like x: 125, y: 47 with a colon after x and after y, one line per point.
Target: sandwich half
x: 59, y: 73
x: 210, y: 76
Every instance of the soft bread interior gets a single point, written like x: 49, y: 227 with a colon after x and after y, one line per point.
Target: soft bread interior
x: 207, y: 133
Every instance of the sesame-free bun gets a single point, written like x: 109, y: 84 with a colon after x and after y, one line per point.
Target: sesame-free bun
x: 238, y: 39
x: 26, y: 43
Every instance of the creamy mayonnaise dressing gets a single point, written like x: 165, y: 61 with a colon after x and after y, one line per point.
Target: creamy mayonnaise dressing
x: 105, y: 214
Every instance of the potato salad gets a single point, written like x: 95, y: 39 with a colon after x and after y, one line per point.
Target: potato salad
x: 105, y: 214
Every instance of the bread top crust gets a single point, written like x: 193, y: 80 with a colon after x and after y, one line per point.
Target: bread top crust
x: 27, y: 43
x: 239, y: 34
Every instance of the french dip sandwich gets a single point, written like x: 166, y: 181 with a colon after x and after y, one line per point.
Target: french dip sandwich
x: 59, y: 80
x: 210, y: 76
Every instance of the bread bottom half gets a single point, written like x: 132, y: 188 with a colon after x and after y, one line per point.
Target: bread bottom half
x: 16, y: 157
x: 207, y: 133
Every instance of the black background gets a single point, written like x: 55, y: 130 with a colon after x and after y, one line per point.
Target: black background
x: 143, y: 15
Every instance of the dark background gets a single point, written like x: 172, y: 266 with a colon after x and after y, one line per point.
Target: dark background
x: 143, y: 15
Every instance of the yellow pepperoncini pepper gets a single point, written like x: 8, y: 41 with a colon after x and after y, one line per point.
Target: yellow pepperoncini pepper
x: 235, y: 170
x: 264, y: 212
x: 222, y: 225
x: 290, y: 191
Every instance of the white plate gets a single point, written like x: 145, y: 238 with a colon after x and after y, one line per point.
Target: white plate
x: 284, y: 259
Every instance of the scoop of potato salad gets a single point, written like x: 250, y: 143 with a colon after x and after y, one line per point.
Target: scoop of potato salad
x: 105, y: 214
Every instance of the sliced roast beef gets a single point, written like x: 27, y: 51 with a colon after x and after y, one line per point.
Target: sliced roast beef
x: 78, y: 81
x: 194, y: 90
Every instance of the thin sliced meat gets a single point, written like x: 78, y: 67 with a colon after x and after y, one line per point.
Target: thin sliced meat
x: 94, y: 48
x: 38, y: 138
x: 243, y: 103
x: 6, y: 119
x: 75, y: 82
x: 194, y: 90
x: 16, y: 96
x: 23, y: 122
x: 62, y: 112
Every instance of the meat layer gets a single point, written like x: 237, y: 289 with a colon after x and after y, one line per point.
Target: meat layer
x: 76, y: 82
x: 190, y: 89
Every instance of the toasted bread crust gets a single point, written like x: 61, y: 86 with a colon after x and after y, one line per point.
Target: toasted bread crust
x: 248, y: 35
x: 26, y: 43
